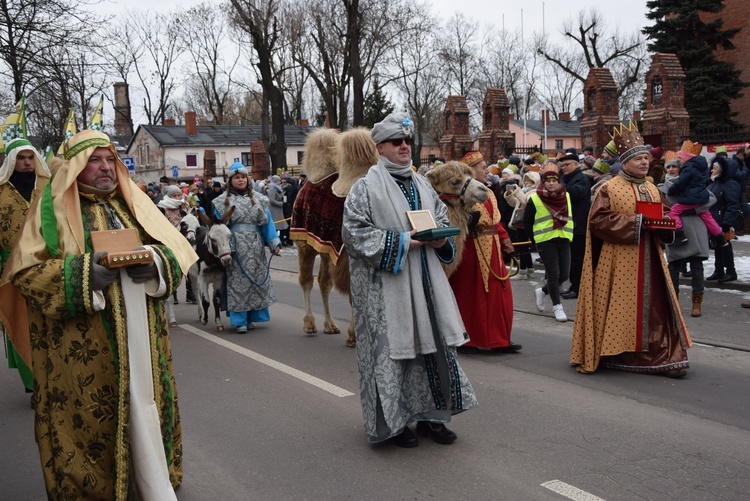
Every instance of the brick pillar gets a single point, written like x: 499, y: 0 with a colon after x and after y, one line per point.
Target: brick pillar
x: 666, y: 122
x: 456, y: 139
x: 496, y: 138
x: 260, y: 168
x: 600, y: 112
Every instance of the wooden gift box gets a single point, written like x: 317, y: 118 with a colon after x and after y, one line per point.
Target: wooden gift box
x: 121, y: 246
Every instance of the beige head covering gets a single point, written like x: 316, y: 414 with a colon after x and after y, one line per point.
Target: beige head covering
x: 12, y: 149
x: 31, y: 248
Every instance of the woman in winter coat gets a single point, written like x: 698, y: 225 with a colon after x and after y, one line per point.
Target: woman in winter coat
x: 517, y: 197
x: 249, y: 292
x: 728, y: 193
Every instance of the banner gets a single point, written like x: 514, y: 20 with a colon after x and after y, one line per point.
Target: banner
x: 14, y: 126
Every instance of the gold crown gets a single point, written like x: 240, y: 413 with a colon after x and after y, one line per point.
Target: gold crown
x: 472, y: 158
x: 628, y: 141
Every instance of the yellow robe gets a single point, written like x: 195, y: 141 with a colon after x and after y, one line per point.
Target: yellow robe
x: 627, y: 306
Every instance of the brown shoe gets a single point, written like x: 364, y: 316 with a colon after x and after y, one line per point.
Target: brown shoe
x: 697, y: 300
x: 746, y: 305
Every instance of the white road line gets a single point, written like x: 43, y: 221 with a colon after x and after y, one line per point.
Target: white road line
x: 570, y: 491
x: 302, y: 376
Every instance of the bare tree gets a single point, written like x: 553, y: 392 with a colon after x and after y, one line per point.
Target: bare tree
x: 155, y: 50
x: 458, y: 53
x: 599, y: 47
x: 204, y: 32
x: 418, y: 73
x: 258, y: 18
x: 30, y: 30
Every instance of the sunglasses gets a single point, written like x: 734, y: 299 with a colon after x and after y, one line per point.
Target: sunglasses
x: 397, y: 142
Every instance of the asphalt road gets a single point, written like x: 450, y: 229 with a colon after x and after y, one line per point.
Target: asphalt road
x: 274, y: 414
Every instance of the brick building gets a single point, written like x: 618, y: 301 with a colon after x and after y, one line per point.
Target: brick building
x: 735, y: 15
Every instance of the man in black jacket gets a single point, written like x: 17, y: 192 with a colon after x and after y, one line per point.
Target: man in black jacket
x: 578, y: 186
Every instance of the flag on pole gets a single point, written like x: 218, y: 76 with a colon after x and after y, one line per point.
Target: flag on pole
x: 48, y: 153
x: 69, y: 130
x: 15, y: 125
x: 96, y: 122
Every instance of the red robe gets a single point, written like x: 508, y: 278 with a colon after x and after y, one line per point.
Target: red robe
x: 487, y: 314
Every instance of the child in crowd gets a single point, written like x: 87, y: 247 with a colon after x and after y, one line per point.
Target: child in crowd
x: 690, y: 191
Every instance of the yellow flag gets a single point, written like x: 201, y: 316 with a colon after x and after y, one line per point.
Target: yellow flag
x: 96, y: 122
x: 69, y: 130
x: 15, y: 125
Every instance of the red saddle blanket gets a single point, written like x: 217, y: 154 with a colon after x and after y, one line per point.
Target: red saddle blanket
x: 317, y: 217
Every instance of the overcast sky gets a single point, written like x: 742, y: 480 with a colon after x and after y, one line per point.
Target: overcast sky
x: 534, y: 15
x: 629, y: 15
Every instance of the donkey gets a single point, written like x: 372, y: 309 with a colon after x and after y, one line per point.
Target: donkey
x: 212, y: 244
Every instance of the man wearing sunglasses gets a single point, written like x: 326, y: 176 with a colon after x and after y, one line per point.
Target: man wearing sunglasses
x: 407, y: 321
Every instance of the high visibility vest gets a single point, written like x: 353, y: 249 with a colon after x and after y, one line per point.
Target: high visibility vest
x: 543, y: 222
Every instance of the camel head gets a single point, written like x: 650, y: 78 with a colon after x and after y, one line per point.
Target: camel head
x: 321, y: 156
x: 357, y: 153
x: 456, y: 185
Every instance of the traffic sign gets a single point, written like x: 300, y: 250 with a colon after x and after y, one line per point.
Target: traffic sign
x: 129, y: 162
x: 175, y: 171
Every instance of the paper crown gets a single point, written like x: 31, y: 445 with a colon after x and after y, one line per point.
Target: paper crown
x: 690, y: 147
x: 472, y: 158
x: 628, y: 141
x: 670, y: 156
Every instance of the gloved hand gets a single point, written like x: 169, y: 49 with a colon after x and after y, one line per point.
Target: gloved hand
x: 515, y: 255
x: 141, y: 273
x: 689, y: 212
x: 101, y: 276
x: 473, y: 221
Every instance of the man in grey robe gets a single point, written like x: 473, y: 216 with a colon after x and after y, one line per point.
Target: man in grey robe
x: 406, y: 317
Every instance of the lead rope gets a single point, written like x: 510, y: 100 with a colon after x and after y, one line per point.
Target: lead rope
x: 513, y: 262
x: 268, y: 268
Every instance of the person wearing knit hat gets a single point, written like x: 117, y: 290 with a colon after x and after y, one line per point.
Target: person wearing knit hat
x: 23, y: 176
x: 506, y: 173
x: 249, y: 290
x: 656, y: 152
x: 636, y: 326
x: 391, y: 306
x: 114, y: 315
x: 548, y: 221
x: 587, y: 162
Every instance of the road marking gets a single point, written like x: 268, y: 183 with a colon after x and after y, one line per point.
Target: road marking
x: 302, y: 376
x: 570, y: 491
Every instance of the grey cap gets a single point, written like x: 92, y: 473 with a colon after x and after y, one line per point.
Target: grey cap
x: 275, y: 179
x: 394, y: 126
x: 172, y: 190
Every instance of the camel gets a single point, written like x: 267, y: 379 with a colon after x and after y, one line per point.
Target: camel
x: 455, y: 183
x: 333, y: 162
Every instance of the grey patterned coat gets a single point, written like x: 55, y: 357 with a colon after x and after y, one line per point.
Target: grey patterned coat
x: 249, y: 252
x: 394, y: 392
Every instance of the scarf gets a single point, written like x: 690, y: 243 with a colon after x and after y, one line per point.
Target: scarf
x: 556, y: 203
x: 631, y: 179
x: 407, y: 316
x: 24, y: 182
x: 170, y: 203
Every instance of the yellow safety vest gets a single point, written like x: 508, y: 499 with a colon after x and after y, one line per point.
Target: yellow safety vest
x: 543, y: 222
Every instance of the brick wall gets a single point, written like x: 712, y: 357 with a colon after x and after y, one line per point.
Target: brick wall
x: 735, y: 15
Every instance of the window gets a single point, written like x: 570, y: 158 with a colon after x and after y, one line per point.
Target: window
x: 148, y: 157
x: 247, y: 158
x: 191, y: 160
x: 141, y: 161
x: 558, y: 144
x: 300, y: 157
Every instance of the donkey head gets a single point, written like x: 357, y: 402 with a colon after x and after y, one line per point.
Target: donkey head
x: 218, y: 237
x: 188, y: 225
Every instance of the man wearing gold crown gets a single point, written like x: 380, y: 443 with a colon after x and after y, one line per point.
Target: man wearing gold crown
x: 23, y: 176
x: 628, y: 317
x: 107, y: 423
